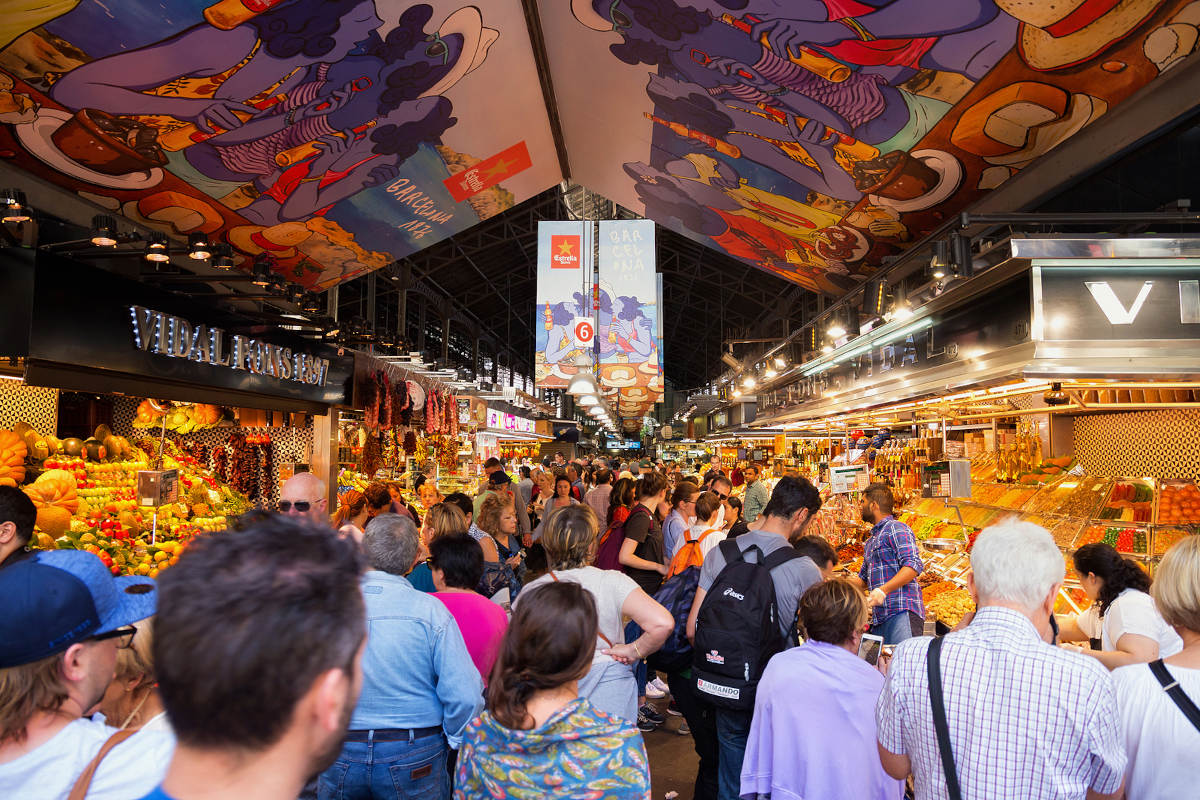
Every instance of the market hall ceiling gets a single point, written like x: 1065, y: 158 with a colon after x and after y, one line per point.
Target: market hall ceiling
x: 808, y: 138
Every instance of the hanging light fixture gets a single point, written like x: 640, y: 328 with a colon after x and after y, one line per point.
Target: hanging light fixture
x: 583, y: 383
x: 198, y: 247
x: 16, y: 207
x: 260, y: 273
x: 104, y: 230
x: 156, y: 248
x: 222, y: 256
x: 587, y: 400
x: 295, y: 293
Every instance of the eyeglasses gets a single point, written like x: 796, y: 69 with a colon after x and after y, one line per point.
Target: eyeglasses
x: 124, y: 637
x: 300, y: 505
x: 722, y: 496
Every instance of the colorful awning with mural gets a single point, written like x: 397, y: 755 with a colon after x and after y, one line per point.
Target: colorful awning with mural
x: 810, y: 138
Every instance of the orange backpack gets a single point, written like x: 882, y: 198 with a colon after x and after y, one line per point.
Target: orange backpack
x: 691, y: 554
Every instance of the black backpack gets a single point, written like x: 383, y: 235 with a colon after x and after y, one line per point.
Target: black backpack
x: 737, y: 629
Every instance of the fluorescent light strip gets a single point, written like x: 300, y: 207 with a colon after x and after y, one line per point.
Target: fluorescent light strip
x: 834, y: 358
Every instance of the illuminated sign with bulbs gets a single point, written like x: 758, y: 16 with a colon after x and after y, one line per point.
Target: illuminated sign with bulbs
x: 175, y: 337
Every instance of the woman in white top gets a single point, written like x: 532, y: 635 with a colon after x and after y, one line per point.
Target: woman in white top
x: 570, y: 539
x: 1162, y: 743
x: 1122, y: 615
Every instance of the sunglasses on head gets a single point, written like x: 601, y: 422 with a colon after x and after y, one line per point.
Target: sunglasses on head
x: 124, y: 636
x: 300, y: 505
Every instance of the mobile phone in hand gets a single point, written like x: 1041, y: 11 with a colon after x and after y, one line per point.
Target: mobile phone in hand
x: 870, y: 647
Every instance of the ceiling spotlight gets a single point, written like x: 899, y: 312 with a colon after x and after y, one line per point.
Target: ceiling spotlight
x: 748, y: 382
x: 770, y: 373
x: 1056, y: 396
x: 156, y: 248
x: 198, y: 246
x: 16, y: 207
x: 737, y: 392
x: 332, y: 328
x: 826, y: 348
x: 780, y: 363
x: 222, y: 256
x: 310, y: 303
x: 940, y: 260
x: 104, y: 230
x: 836, y: 329
x: 295, y: 293
x: 901, y: 308
x: 260, y: 273
x: 277, y: 286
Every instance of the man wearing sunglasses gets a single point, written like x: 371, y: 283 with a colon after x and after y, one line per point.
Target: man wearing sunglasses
x: 64, y: 619
x: 303, y: 495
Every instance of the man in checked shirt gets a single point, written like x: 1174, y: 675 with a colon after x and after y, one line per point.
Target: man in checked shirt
x: 891, y: 564
x: 1025, y: 719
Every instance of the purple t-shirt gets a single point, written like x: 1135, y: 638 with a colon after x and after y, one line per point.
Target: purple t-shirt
x: 482, y: 623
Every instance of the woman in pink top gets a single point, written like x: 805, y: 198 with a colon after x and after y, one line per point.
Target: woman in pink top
x: 456, y: 561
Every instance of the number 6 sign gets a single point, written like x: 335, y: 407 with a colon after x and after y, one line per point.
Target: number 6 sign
x: 585, y: 331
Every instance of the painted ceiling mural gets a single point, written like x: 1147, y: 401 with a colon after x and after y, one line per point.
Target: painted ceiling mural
x: 334, y: 135
x: 813, y: 137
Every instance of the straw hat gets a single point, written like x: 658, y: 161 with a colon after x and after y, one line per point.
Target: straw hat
x: 1063, y: 34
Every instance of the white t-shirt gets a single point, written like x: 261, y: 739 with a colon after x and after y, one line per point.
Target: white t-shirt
x: 131, y: 769
x: 1132, y: 612
x: 1161, y: 742
x: 609, y: 588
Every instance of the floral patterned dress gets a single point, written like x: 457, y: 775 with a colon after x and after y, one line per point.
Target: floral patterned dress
x: 580, y: 753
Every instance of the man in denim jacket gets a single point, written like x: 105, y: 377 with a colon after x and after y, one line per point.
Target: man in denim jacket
x: 420, y: 687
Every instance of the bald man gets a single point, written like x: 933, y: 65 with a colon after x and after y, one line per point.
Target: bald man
x: 303, y: 495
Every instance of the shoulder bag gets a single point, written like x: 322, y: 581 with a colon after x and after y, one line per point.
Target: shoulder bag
x: 1176, y: 693
x: 934, y: 658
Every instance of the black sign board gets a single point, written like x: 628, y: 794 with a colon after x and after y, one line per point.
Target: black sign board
x: 93, y: 330
x: 1116, y: 300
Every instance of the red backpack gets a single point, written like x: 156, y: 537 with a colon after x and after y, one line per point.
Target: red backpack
x: 608, y: 552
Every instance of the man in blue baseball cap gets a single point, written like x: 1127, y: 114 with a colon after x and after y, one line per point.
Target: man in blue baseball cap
x: 65, y: 616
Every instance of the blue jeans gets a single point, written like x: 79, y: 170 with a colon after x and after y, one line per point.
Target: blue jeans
x: 733, y: 729
x: 406, y: 770
x: 898, y: 627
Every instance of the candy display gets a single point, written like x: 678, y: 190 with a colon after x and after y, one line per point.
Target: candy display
x: 1129, y: 501
x: 1179, y: 503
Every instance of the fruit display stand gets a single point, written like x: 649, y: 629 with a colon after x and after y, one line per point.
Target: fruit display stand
x: 88, y: 501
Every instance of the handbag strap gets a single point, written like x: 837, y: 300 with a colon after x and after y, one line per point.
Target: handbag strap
x: 84, y: 782
x: 1175, y: 692
x: 934, y: 658
x: 599, y: 632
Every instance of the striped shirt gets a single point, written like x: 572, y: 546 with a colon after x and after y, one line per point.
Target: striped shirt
x: 892, y: 546
x: 1026, y: 719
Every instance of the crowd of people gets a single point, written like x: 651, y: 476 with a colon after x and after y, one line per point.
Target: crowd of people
x: 509, y: 645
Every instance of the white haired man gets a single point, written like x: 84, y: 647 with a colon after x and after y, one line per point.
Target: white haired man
x: 1022, y: 718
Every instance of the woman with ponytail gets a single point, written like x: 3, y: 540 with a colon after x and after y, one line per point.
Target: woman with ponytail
x: 352, y: 515
x: 1122, y: 615
x: 538, y: 738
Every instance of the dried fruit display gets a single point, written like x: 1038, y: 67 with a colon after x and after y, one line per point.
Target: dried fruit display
x: 951, y: 606
x: 1129, y: 501
x: 1072, y: 497
x: 1165, y: 537
x: 1179, y: 504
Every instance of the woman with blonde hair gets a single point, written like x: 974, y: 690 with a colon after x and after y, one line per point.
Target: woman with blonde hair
x: 570, y: 542
x: 496, y: 532
x: 131, y: 701
x: 1158, y: 701
x: 443, y: 519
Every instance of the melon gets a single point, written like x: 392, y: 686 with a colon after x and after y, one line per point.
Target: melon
x: 95, y: 450
x: 73, y: 447
x: 54, y: 520
x: 102, y: 433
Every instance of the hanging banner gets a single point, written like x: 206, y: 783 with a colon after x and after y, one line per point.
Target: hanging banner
x: 564, y: 271
x: 627, y: 327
